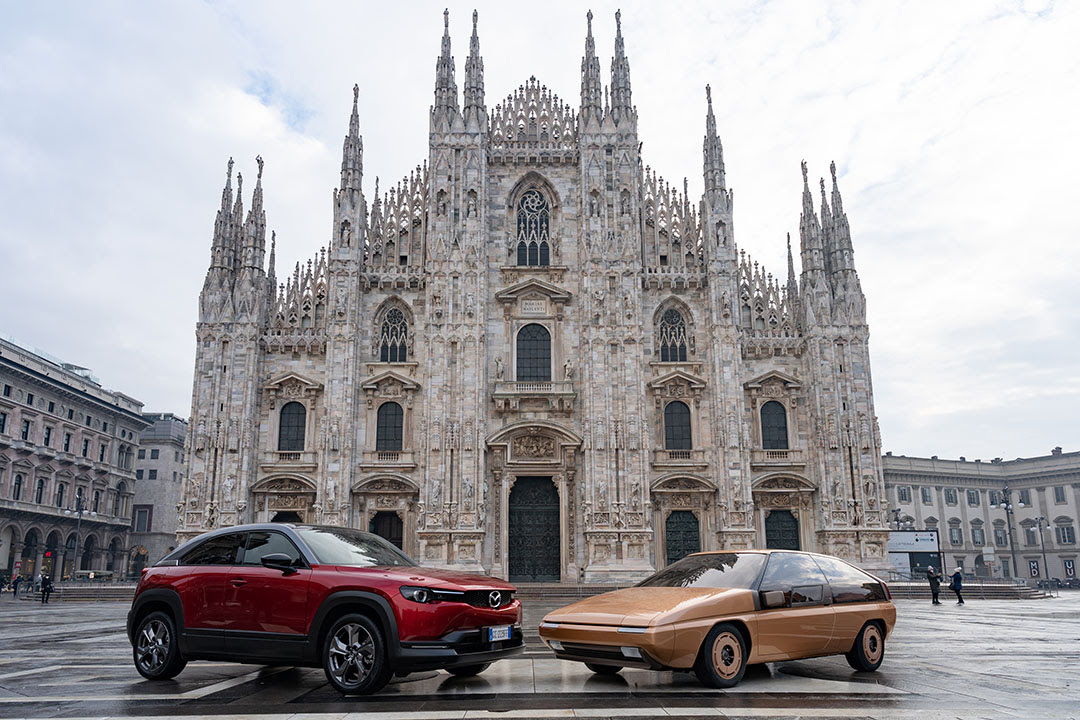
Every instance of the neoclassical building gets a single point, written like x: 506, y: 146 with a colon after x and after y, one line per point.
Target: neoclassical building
x: 535, y: 357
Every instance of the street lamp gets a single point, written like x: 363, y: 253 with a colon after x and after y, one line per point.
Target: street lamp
x: 1007, y: 506
x: 1046, y: 567
x: 79, y: 511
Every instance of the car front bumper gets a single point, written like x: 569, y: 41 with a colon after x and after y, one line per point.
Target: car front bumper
x: 461, y: 647
x: 610, y: 645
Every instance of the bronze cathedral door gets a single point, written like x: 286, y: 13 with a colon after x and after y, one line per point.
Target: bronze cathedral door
x: 533, y: 537
x: 781, y: 531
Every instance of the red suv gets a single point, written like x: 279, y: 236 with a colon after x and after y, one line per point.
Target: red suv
x: 317, y: 596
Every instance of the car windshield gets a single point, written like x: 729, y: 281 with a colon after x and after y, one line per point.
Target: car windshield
x: 719, y: 570
x: 342, y: 546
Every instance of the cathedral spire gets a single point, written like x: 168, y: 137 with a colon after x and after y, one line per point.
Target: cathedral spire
x: 254, y: 232
x: 621, y: 105
x: 446, y: 99
x: 474, y: 76
x: 352, y: 150
x: 792, y: 283
x: 827, y: 235
x: 843, y: 252
x: 712, y: 150
x: 271, y: 270
x: 219, y: 247
x: 591, y: 93
x: 809, y: 233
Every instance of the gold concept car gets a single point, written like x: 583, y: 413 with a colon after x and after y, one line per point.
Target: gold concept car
x: 717, y: 612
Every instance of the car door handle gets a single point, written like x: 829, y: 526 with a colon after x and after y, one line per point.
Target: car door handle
x: 238, y: 582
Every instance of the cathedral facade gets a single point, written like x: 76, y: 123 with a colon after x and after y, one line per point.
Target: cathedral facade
x: 536, y: 358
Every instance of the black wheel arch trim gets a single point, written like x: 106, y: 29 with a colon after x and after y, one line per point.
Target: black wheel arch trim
x: 156, y: 595
x: 369, y: 600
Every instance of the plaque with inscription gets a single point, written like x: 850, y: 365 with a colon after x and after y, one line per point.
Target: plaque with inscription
x: 534, y: 307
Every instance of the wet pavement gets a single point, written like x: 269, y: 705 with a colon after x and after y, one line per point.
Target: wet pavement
x: 987, y: 659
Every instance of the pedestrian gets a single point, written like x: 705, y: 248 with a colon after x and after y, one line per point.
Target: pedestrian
x: 37, y: 582
x: 46, y: 589
x: 957, y: 584
x: 934, y: 578
x: 15, y: 587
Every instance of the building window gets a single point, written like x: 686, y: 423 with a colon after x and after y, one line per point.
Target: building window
x: 995, y: 498
x: 774, y: 426
x: 25, y: 430
x: 39, y: 493
x: 1001, y: 539
x: 142, y: 454
x: 3, y: 422
x: 88, y: 420
x: 389, y: 427
x: 1059, y: 495
x: 1065, y: 534
x: 1029, y: 536
x: 903, y: 494
x: 85, y: 448
x: 973, y: 498
x: 60, y: 494
x: 176, y: 456
x: 151, y: 475
x: 142, y: 519
x: 71, y: 414
x: 7, y: 391
x: 67, y: 442
x: 47, y: 439
x: 394, y: 337
x: 291, y: 428
x: 534, y: 354
x: 52, y: 406
x: 677, y: 432
x: 533, y: 218
x: 118, y: 501
x: 154, y: 455
x: 672, y: 337
x: 1025, y: 497
x: 101, y: 453
x: 927, y: 495
x: 97, y: 500
x: 16, y: 487
x: 978, y: 537
x: 956, y: 537
x: 104, y: 427
x: 950, y: 496
x: 30, y: 399
x: 139, y: 474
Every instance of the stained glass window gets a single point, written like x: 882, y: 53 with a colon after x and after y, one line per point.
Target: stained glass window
x: 672, y: 337
x: 533, y: 217
x: 534, y: 354
x: 773, y: 426
x: 388, y: 434
x: 394, y: 337
x: 677, y: 433
x: 291, y: 427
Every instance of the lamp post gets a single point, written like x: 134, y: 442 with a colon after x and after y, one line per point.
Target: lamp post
x: 1007, y: 506
x: 1046, y: 567
x: 79, y: 511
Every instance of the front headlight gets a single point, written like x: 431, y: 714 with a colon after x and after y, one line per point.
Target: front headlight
x: 417, y: 594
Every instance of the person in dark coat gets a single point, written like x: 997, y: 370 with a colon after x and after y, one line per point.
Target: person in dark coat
x: 934, y: 578
x: 15, y: 586
x: 957, y: 584
x: 46, y: 588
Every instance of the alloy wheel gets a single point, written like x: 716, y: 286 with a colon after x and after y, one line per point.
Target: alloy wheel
x: 153, y: 646
x: 352, y: 654
x: 727, y: 655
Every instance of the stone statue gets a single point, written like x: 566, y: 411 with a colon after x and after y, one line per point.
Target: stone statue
x: 498, y: 367
x: 568, y: 369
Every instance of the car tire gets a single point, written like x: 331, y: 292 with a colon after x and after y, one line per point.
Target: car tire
x: 869, y: 649
x: 604, y: 669
x: 721, y: 662
x: 354, y: 656
x: 468, y: 670
x: 156, y: 649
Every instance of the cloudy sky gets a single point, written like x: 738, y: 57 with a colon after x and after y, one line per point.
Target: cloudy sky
x: 953, y: 127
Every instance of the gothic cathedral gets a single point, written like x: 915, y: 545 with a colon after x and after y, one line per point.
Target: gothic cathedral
x: 534, y: 357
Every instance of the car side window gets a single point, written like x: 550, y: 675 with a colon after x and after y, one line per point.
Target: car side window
x: 849, y: 584
x: 267, y: 542
x: 797, y: 576
x: 220, y: 550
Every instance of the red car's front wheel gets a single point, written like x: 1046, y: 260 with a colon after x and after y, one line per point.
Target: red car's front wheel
x: 355, y: 657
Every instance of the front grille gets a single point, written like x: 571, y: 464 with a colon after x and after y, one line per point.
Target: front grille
x: 597, y: 651
x: 480, y: 598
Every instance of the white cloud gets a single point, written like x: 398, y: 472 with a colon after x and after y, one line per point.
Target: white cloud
x: 951, y: 125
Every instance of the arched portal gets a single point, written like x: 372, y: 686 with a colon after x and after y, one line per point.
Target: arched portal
x: 534, y: 530
x: 781, y: 530
x: 682, y: 535
x: 286, y: 516
x: 387, y: 525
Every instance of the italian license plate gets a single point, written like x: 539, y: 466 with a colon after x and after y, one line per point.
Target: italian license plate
x: 501, y: 632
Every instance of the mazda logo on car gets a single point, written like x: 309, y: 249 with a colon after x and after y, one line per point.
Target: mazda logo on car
x: 495, y: 599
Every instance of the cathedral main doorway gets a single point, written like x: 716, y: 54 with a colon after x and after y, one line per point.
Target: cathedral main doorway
x: 533, y: 537
x: 682, y: 535
x: 388, y: 526
x: 781, y: 530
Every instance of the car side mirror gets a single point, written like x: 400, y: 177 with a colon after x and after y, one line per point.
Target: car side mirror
x: 279, y: 561
x: 773, y: 599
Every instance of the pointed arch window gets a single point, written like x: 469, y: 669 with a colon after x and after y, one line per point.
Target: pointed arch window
x: 389, y: 428
x: 291, y: 427
x: 394, y: 337
x: 774, y: 426
x: 534, y: 354
x: 672, y: 337
x: 677, y: 432
x: 533, y: 219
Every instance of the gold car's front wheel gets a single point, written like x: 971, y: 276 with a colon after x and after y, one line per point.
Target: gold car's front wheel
x: 869, y: 649
x: 721, y: 661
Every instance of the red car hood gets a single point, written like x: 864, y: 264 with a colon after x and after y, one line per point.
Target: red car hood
x: 431, y: 577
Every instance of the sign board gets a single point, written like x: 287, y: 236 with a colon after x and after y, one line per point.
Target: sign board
x: 1070, y: 568
x: 906, y: 541
x: 1033, y: 566
x: 534, y: 307
x: 18, y: 564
